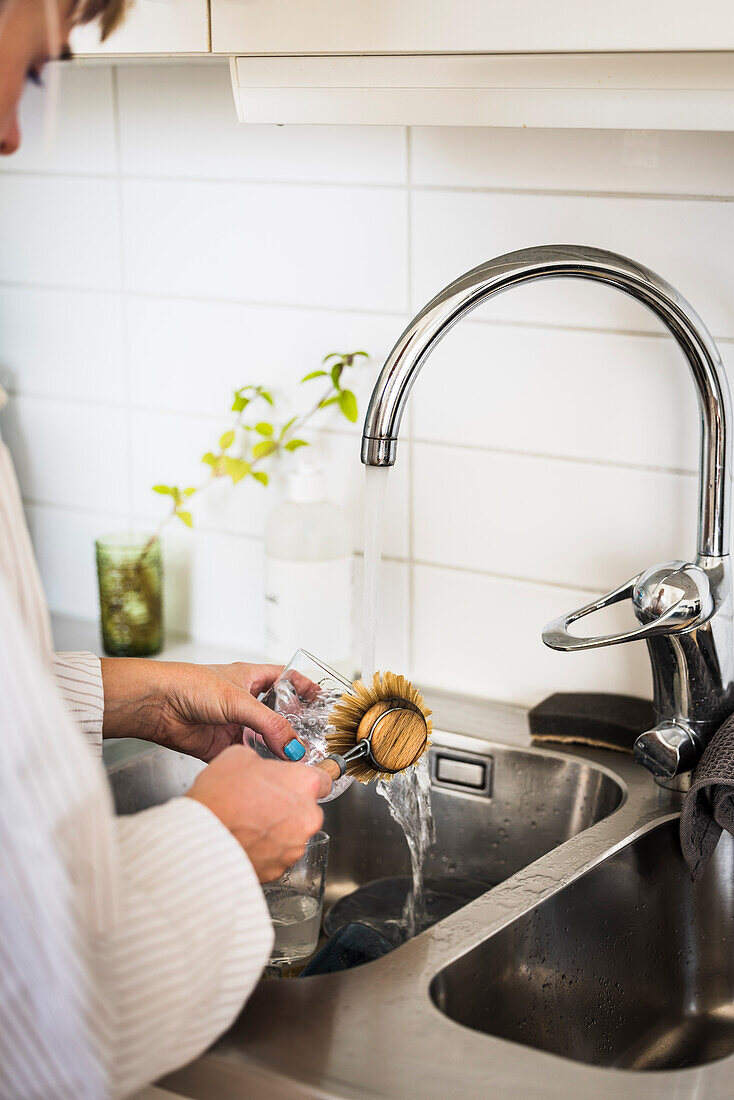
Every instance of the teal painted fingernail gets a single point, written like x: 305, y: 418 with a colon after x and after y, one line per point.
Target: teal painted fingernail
x: 294, y: 750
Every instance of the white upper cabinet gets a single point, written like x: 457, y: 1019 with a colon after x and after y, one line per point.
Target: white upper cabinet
x: 474, y: 26
x: 633, y: 64
x: 414, y: 27
x: 152, y: 27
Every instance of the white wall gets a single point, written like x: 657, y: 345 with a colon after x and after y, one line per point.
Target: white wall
x: 156, y: 254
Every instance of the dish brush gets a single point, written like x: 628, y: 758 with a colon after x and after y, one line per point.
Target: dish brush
x: 378, y: 729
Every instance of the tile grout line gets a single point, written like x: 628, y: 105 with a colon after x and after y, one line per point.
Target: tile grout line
x: 208, y: 529
x: 124, y: 319
x: 250, y: 303
x: 247, y: 303
x: 425, y: 188
x: 215, y: 420
x: 212, y: 529
x: 573, y: 460
x: 512, y: 578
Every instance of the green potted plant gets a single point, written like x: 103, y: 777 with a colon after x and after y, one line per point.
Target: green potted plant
x: 130, y: 570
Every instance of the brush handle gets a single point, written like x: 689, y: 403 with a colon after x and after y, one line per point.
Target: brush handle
x: 334, y: 766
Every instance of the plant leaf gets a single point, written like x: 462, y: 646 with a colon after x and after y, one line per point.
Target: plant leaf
x: 336, y: 373
x: 236, y: 468
x: 266, y: 395
x: 330, y: 401
x: 262, y: 450
x: 189, y: 492
x: 226, y: 439
x: 209, y: 458
x: 186, y: 518
x: 287, y: 425
x: 263, y: 428
x: 294, y: 444
x: 331, y: 355
x: 239, y: 403
x: 260, y: 476
x: 314, y: 374
x: 348, y: 405
x: 164, y: 490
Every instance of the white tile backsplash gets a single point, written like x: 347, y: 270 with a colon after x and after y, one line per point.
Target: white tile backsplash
x: 211, y: 348
x: 68, y: 453
x: 566, y: 523
x: 633, y: 161
x: 180, y: 121
x: 484, y: 633
x: 312, y: 246
x: 59, y: 231
x: 601, y: 396
x: 64, y: 543
x: 61, y: 343
x: 689, y: 243
x: 156, y: 255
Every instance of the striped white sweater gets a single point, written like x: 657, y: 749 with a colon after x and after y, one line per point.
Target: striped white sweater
x: 126, y: 944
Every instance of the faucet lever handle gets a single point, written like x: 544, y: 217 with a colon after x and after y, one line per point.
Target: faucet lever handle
x: 668, y: 599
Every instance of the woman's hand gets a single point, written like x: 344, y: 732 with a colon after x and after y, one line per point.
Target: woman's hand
x: 197, y: 709
x: 269, y: 807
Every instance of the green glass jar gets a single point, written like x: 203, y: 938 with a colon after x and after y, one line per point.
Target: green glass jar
x: 130, y: 573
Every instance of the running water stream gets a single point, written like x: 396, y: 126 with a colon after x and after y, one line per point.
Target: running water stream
x: 408, y: 794
x: 376, y: 478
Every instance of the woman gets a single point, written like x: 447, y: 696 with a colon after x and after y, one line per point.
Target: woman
x: 126, y: 945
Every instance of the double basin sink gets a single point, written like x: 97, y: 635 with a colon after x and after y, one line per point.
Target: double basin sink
x: 587, y: 957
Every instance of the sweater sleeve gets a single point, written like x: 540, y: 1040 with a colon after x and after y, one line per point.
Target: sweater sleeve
x: 193, y: 936
x: 127, y: 944
x: 79, y: 682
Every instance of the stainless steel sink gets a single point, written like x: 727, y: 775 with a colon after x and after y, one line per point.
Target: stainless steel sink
x: 630, y: 966
x: 588, y: 957
x: 529, y: 802
x: 142, y: 775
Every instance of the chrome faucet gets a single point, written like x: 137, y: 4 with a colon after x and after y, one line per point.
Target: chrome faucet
x: 684, y: 608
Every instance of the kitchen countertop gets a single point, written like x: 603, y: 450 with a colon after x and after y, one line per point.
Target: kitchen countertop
x: 72, y: 634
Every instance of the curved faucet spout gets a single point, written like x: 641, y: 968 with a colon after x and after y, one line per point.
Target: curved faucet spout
x: 382, y: 424
x: 685, y: 609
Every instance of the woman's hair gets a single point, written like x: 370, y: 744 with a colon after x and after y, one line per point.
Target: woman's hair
x: 109, y: 12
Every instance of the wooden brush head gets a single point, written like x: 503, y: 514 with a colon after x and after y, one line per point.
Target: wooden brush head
x: 393, y: 713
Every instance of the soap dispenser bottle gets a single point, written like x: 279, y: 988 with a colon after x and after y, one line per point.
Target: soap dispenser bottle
x: 309, y: 574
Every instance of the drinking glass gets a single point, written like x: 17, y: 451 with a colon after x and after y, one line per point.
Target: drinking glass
x: 295, y: 901
x: 130, y: 573
x: 305, y: 694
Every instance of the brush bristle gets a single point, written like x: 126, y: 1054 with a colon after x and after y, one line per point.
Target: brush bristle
x: 351, y: 709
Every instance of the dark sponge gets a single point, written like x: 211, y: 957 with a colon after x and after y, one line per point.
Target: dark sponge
x: 592, y: 718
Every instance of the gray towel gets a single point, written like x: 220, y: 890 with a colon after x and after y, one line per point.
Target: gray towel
x: 709, y: 805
